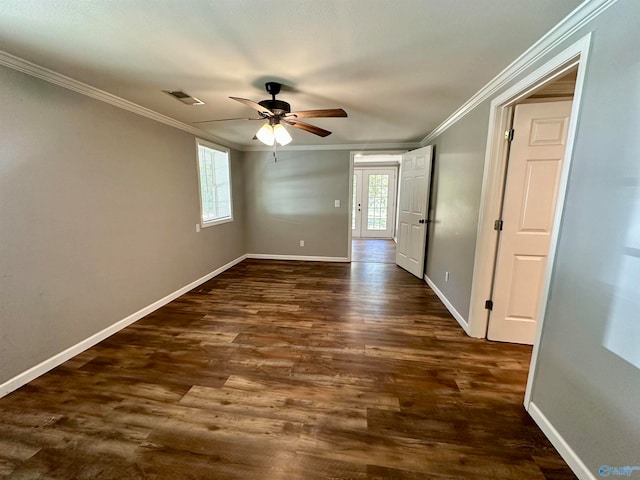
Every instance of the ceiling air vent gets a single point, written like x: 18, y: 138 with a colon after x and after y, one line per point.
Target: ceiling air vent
x: 184, y: 97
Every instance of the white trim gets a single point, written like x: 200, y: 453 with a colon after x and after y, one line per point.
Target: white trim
x: 220, y: 149
x: 301, y: 258
x: 583, y: 14
x: 69, y: 83
x: 373, y: 147
x: 43, y: 367
x: 570, y: 24
x: 213, y: 223
x: 369, y: 153
x: 460, y: 319
x: 561, y: 445
x: 17, y: 63
x: 350, y: 203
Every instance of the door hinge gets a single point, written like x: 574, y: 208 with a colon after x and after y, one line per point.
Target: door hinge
x: 497, y: 225
x: 508, y: 135
x: 488, y: 304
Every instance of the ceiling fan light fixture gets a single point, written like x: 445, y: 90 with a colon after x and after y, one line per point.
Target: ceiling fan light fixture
x: 282, y: 136
x: 274, y: 111
x: 266, y: 135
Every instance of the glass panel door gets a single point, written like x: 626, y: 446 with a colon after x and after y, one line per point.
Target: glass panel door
x: 377, y: 202
x: 374, y: 201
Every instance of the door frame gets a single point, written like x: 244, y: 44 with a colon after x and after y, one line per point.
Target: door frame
x: 392, y: 197
x: 493, y: 185
x: 359, y: 188
x: 352, y: 156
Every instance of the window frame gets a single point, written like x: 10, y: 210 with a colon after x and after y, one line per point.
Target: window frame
x: 204, y: 143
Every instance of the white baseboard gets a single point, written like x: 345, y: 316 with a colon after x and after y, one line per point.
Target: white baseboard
x: 565, y: 451
x: 460, y: 319
x: 43, y: 367
x: 302, y: 258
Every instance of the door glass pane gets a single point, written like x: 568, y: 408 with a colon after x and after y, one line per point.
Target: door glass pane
x: 353, y: 202
x: 377, y: 202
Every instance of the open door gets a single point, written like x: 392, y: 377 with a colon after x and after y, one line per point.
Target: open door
x: 414, y: 196
x: 530, y: 199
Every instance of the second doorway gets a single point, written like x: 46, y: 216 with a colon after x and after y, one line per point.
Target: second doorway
x: 374, y: 202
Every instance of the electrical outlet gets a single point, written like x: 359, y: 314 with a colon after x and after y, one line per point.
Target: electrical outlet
x: 197, y: 228
x: 337, y: 203
x: 446, y: 276
x: 302, y: 243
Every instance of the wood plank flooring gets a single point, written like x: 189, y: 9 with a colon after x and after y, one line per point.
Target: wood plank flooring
x: 284, y: 370
x: 373, y: 250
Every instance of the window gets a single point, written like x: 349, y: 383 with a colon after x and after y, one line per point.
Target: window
x: 215, y: 184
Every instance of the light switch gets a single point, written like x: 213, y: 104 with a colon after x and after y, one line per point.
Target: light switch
x: 197, y: 228
x: 337, y: 203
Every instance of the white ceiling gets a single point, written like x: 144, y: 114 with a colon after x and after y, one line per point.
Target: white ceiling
x: 399, y: 68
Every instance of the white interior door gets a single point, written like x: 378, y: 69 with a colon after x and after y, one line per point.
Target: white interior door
x: 531, y: 189
x: 374, y: 201
x: 414, y: 196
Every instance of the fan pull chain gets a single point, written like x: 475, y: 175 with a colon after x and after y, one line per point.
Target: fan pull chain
x: 275, y: 149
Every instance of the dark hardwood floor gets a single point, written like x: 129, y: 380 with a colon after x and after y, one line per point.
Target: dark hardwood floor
x: 284, y: 370
x: 373, y: 250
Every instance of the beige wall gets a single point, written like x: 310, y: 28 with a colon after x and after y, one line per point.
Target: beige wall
x: 98, y: 208
x: 454, y: 207
x: 293, y: 199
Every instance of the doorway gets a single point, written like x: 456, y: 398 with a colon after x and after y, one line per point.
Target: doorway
x: 500, y: 116
x: 378, y: 163
x: 373, y: 203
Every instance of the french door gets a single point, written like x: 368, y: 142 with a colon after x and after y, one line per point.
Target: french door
x: 374, y: 203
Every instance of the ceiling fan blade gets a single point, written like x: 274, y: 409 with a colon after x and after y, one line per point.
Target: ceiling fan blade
x: 256, y: 106
x: 329, y: 112
x: 305, y: 126
x: 227, y: 119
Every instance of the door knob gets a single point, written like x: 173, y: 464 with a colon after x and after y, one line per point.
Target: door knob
x: 421, y: 220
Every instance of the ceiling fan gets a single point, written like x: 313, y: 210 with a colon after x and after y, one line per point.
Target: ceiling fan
x: 277, y: 112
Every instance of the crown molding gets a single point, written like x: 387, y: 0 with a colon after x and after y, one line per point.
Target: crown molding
x: 569, y: 25
x: 364, y: 147
x: 579, y: 17
x: 17, y: 63
x: 69, y: 83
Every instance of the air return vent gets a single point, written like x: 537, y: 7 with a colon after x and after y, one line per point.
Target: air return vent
x: 184, y: 97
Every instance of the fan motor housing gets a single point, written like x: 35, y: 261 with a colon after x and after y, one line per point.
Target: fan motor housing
x: 276, y: 106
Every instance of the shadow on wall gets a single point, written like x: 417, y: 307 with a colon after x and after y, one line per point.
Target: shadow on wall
x: 622, y: 333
